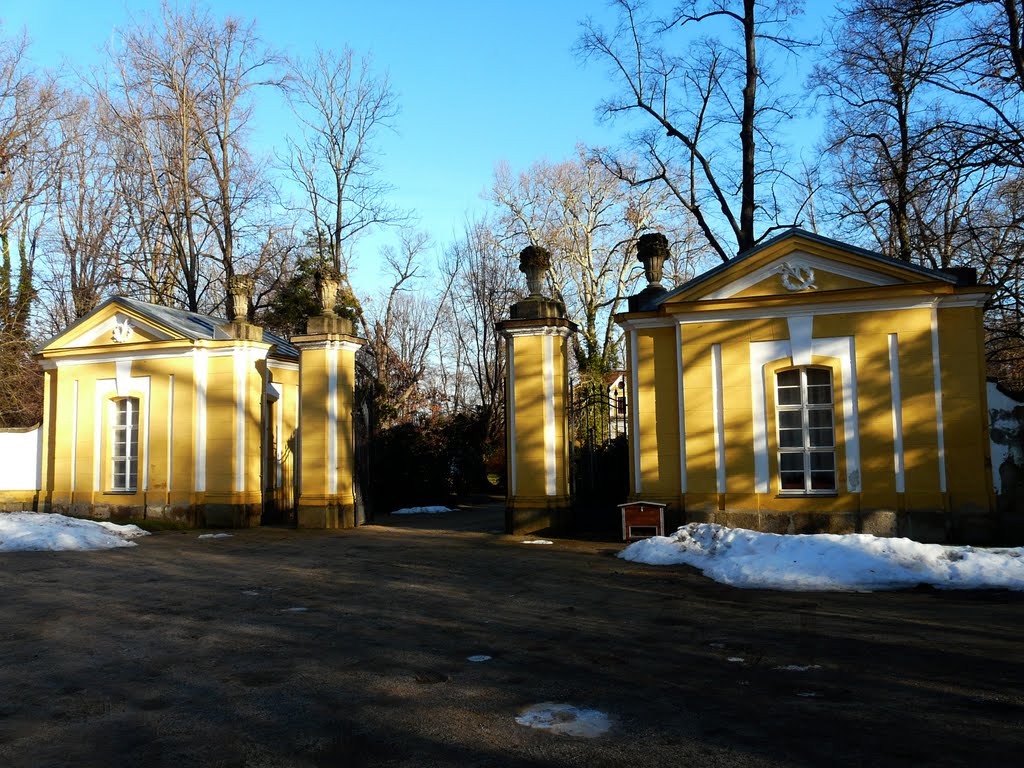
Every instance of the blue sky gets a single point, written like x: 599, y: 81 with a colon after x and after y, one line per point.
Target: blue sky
x: 478, y: 82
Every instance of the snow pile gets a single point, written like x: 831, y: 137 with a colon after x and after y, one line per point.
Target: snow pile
x: 421, y: 510
x: 565, y: 719
x: 828, y: 562
x: 23, y: 531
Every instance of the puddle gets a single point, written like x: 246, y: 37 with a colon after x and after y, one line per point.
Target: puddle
x: 296, y: 609
x: 565, y: 719
x: 478, y: 657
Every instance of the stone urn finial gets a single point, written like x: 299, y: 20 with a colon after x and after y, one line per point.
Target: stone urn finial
x: 328, y: 283
x: 651, y: 251
x: 534, y: 262
x: 240, y: 288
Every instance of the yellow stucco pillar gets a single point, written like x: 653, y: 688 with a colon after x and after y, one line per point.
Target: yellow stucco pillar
x: 537, y: 407
x: 326, y: 461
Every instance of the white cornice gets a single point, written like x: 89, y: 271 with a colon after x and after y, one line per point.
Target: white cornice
x: 973, y: 299
x: 540, y: 330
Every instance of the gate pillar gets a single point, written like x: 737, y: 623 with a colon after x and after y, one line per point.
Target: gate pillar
x: 537, y: 406
x: 326, y: 460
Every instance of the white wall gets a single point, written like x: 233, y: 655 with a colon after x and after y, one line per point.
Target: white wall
x: 21, y: 460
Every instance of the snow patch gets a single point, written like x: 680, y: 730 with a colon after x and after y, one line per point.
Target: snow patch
x: 565, y: 719
x: 537, y: 541
x: 214, y: 536
x: 421, y: 511
x: 479, y: 657
x: 828, y: 562
x: 43, y: 531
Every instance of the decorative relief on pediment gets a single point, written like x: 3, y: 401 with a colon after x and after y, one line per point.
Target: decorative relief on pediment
x: 123, y: 331
x: 796, y: 276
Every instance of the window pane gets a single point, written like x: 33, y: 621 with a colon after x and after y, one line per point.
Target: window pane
x: 821, y: 438
x: 823, y: 461
x: 791, y: 461
x: 819, y: 395
x: 792, y: 481
x: 789, y: 396
x: 789, y: 378
x: 823, y: 481
x: 789, y: 420
x: 791, y: 438
x: 820, y: 417
x: 818, y: 376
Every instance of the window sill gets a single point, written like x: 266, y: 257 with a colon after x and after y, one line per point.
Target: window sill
x: 121, y: 493
x: 805, y: 495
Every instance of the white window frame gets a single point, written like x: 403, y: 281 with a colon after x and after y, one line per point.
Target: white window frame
x: 124, y: 435
x: 806, y: 450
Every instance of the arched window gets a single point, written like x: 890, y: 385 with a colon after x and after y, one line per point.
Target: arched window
x: 806, y: 429
x: 125, y: 444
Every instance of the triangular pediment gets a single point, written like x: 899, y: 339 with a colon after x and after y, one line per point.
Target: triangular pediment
x: 801, y: 263
x: 111, y: 325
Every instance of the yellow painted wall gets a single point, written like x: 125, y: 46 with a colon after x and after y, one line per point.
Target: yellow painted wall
x: 963, y: 397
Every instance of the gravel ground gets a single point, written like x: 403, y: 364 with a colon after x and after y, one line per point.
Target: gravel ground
x: 349, y: 648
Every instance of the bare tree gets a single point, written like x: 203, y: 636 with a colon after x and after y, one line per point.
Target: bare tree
x: 400, y: 330
x: 342, y: 106
x: 182, y: 92
x: 89, y: 230
x: 486, y: 281
x: 692, y: 91
x: 28, y: 104
x: 882, y: 125
x: 590, y: 221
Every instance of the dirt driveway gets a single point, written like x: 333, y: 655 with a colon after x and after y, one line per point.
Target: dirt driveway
x: 287, y: 648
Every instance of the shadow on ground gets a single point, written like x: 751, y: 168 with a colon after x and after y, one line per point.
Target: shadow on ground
x: 483, y: 514
x: 350, y: 648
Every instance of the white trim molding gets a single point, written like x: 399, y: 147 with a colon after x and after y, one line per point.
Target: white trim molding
x: 550, y: 461
x: 240, y: 360
x: 170, y: 432
x: 200, y: 373
x: 74, y: 436
x: 682, y: 409
x: 332, y: 420
x: 717, y: 407
x: 897, y: 413
x: 764, y: 352
x: 513, y: 456
x: 720, y: 315
x: 937, y: 380
x: 634, y: 400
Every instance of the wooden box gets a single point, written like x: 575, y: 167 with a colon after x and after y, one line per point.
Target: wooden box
x: 642, y: 519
